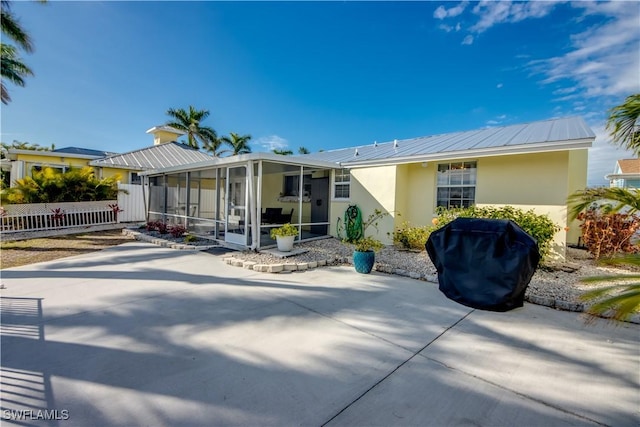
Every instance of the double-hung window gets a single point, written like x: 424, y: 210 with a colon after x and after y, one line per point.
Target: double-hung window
x: 342, y: 184
x: 456, y: 184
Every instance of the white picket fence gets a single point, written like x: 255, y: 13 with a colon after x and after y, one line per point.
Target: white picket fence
x: 55, y: 216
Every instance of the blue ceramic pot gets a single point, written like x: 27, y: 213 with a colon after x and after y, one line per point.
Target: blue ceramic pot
x: 363, y: 261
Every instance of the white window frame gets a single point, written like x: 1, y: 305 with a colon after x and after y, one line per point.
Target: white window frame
x: 131, y: 178
x: 340, y: 173
x: 473, y: 183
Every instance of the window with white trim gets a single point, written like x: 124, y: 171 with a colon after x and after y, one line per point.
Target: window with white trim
x: 134, y: 178
x: 341, y: 184
x: 456, y: 184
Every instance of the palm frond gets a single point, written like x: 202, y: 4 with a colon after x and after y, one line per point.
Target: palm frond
x: 12, y: 29
x: 623, y: 123
x: 620, y: 197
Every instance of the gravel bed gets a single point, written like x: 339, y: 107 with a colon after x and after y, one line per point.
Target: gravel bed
x: 555, y: 285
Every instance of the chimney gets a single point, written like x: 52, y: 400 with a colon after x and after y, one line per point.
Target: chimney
x: 164, y: 134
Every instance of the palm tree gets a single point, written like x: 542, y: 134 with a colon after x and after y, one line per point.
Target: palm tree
x: 12, y: 29
x: 618, y: 301
x: 239, y: 143
x: 189, y: 122
x: 13, y: 69
x: 623, y: 123
x: 282, y: 152
x: 623, y: 198
x: 303, y: 150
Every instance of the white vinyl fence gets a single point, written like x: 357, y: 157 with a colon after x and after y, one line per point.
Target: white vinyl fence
x: 132, y: 203
x: 55, y: 216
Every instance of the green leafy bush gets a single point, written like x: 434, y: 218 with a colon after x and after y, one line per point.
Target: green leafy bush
x: 414, y: 238
x: 50, y: 185
x: 540, y: 227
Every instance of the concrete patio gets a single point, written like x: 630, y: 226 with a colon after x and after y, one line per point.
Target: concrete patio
x: 141, y: 335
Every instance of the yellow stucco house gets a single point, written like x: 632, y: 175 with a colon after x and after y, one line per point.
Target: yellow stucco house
x: 23, y: 163
x: 529, y: 166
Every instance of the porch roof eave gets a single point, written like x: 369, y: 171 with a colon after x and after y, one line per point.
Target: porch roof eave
x: 243, y: 158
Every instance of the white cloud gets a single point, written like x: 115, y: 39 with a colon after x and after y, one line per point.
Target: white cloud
x: 272, y: 142
x: 499, y: 85
x: 468, y: 40
x: 604, y: 59
x: 441, y: 12
x: 497, y: 12
x: 603, y: 156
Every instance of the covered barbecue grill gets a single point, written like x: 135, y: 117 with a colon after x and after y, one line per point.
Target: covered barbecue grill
x: 484, y: 263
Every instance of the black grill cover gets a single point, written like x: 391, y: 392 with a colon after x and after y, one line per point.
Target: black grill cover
x: 484, y: 263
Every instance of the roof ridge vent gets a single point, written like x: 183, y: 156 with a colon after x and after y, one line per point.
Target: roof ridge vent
x: 395, y: 143
x: 356, y: 153
x: 375, y: 144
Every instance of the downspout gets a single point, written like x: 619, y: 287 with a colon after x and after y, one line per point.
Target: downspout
x: 259, y: 204
x: 300, y: 195
x: 252, y: 202
x: 187, y: 199
x: 146, y: 193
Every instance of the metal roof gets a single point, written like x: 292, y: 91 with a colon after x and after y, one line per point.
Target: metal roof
x: 83, y: 151
x: 159, y: 156
x: 548, y: 135
x: 242, y: 159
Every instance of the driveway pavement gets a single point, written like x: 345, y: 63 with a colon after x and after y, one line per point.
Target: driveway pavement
x: 139, y: 335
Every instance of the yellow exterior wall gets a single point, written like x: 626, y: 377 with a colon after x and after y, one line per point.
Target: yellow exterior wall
x: 121, y: 174
x: 421, y: 204
x: 540, y: 182
x: 578, y: 160
x: 161, y: 137
x: 56, y: 161
x: 375, y: 188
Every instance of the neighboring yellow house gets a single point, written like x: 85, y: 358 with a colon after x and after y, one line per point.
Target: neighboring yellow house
x: 530, y: 166
x: 22, y: 163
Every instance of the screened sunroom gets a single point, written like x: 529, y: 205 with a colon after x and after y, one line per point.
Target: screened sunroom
x: 238, y: 200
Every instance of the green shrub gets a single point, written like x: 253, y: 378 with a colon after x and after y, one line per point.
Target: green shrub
x: 50, y: 185
x: 414, y: 238
x: 540, y: 227
x: 190, y: 238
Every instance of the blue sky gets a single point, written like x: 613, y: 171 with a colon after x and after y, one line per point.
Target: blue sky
x: 322, y: 75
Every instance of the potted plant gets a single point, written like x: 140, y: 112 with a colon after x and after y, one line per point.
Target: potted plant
x: 284, y: 236
x: 364, y: 254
